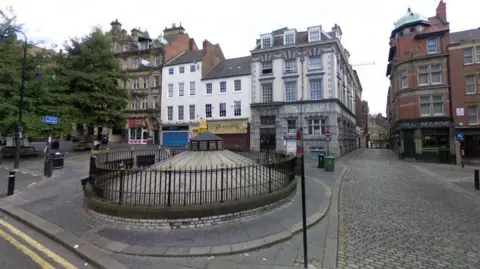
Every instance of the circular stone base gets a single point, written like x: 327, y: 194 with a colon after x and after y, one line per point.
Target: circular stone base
x: 166, y: 224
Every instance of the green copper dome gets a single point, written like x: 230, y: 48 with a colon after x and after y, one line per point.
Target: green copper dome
x: 410, y: 18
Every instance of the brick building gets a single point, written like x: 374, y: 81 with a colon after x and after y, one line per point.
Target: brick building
x: 465, y: 87
x: 419, y: 108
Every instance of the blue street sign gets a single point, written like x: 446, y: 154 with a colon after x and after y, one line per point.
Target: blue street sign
x: 50, y: 119
x: 460, y: 137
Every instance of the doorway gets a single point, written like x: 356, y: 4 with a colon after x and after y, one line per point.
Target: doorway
x: 408, y: 144
x: 267, y: 139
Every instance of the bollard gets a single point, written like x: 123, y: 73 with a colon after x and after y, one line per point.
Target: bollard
x: 477, y: 180
x: 11, y: 183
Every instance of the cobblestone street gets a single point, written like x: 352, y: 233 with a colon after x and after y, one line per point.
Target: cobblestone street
x: 396, y: 214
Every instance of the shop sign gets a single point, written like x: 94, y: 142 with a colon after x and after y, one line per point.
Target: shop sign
x: 460, y: 111
x: 228, y: 127
x: 136, y: 123
x: 174, y: 128
x: 426, y: 124
x: 203, y: 124
x: 289, y: 137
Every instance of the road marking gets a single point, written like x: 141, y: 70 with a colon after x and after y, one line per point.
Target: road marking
x: 31, y: 184
x: 34, y: 256
x: 38, y: 246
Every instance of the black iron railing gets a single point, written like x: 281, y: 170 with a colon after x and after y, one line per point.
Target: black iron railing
x: 127, y: 177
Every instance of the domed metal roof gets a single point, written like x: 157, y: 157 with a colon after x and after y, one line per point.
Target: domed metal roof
x: 410, y: 18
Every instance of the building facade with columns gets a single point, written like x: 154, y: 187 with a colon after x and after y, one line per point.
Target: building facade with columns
x: 303, y: 79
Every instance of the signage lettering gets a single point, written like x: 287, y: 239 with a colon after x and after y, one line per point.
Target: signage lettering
x: 426, y: 124
x: 228, y: 127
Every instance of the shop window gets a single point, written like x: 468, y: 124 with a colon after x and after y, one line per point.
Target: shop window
x: 435, y: 141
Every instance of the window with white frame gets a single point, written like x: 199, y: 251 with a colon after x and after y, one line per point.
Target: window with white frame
x: 180, y: 113
x: 430, y: 74
x: 290, y: 65
x: 133, y: 105
x: 155, y: 102
x: 431, y: 105
x: 432, y: 45
x: 143, y: 45
x: 181, y: 89
x: 472, y: 112
x: 157, y: 61
x: 237, y: 85
x: 170, y: 90
x: 135, y: 83
x: 316, y: 126
x: 266, y: 41
x: 471, y: 84
x: 468, y: 55
x: 191, y: 110
x: 223, y: 86
x: 171, y: 71
x: 291, y: 126
x: 192, y: 88
x: 125, y: 64
x: 192, y: 68
x: 290, y: 91
x: 144, y: 103
x: 478, y: 54
x: 209, y: 88
x: 237, y: 108
x: 223, y: 110
x: 267, y: 68
x: 208, y: 111
x: 289, y: 38
x: 136, y: 63
x: 156, y: 81
x: 314, y: 34
x: 315, y: 86
x: 436, y: 73
x: 315, y: 62
x: 181, y: 69
x: 170, y: 113
x: 404, y: 79
x: 145, y: 83
x: 267, y: 93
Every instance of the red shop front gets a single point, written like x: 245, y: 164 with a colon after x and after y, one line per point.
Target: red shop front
x: 138, y: 131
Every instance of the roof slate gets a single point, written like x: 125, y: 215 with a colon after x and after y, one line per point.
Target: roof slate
x: 468, y: 35
x: 187, y: 57
x: 230, y: 68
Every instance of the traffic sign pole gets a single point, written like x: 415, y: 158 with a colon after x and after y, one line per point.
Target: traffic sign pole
x: 304, y: 203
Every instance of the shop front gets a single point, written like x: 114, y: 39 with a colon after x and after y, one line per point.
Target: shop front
x: 427, y: 140
x: 137, y: 131
x: 235, y: 133
x: 470, y: 143
x: 175, y: 135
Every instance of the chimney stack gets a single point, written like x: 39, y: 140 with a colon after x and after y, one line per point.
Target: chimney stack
x: 190, y: 44
x: 442, y: 10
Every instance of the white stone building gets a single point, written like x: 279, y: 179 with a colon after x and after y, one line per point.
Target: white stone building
x: 303, y: 79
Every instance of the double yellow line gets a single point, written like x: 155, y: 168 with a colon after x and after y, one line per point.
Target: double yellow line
x: 27, y: 251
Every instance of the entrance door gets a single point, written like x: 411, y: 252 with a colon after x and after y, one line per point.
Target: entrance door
x: 408, y: 144
x: 156, y: 137
x: 267, y: 139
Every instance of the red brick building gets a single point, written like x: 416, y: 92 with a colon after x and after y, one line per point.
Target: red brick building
x: 419, y: 103
x: 465, y: 87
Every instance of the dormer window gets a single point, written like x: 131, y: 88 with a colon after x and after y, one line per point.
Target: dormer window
x: 266, y: 41
x: 314, y: 34
x: 143, y: 45
x: 289, y: 38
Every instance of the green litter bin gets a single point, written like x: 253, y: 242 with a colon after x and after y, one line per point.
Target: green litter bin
x: 329, y: 163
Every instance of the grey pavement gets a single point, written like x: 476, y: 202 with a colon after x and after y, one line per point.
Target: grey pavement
x: 397, y: 214
x: 57, y: 201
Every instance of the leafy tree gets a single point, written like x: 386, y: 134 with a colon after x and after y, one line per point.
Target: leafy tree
x: 93, y: 76
x: 43, y: 95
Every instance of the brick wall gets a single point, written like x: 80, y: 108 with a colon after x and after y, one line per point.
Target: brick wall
x: 212, y: 54
x: 179, y: 45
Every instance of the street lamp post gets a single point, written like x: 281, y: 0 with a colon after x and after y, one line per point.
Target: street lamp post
x: 18, y: 133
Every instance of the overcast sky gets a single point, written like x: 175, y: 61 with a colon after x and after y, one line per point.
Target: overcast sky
x: 366, y: 24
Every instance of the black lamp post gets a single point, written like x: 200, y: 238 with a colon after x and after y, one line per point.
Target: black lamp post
x: 18, y: 133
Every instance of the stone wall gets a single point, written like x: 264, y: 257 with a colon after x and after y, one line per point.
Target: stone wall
x: 166, y: 224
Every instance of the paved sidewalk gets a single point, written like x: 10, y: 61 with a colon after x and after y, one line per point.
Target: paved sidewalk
x: 55, y: 206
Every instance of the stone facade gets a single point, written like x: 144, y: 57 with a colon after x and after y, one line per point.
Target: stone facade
x: 303, y: 80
